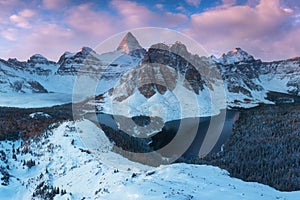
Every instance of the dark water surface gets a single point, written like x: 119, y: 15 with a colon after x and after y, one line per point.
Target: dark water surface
x: 210, y: 133
x: 230, y: 117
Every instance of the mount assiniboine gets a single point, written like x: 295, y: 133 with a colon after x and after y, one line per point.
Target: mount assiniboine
x: 246, y: 80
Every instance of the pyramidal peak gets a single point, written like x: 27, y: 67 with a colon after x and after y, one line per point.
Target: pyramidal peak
x: 129, y: 43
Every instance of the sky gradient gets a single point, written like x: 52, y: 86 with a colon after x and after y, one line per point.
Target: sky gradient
x: 267, y: 29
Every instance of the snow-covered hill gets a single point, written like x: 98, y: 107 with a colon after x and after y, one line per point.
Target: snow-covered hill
x: 60, y: 161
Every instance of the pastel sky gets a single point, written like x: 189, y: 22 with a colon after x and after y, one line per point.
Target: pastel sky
x: 268, y: 29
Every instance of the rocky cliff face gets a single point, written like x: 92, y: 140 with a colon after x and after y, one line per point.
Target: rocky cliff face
x: 165, y: 66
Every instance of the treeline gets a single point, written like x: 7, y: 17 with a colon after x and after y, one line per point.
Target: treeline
x: 133, y: 148
x: 16, y: 123
x: 45, y: 191
x: 264, y: 147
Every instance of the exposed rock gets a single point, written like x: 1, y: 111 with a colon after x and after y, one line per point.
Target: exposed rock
x: 131, y: 46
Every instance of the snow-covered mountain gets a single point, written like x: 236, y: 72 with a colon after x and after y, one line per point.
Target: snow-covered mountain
x: 169, y: 78
x: 58, y: 165
x: 167, y: 83
x: 39, y: 75
x: 235, y: 56
x: 249, y: 80
x: 145, y: 78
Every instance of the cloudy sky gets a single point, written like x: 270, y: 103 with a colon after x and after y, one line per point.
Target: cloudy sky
x: 268, y: 29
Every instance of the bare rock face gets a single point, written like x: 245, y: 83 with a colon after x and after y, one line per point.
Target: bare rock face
x: 288, y: 70
x: 178, y: 58
x: 131, y: 46
x: 129, y: 43
x: 148, y: 79
x: 159, y: 71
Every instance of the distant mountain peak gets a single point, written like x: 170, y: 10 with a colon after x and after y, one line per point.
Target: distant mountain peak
x: 37, y: 58
x: 237, y: 50
x: 129, y: 43
x: 86, y: 50
x: 235, y: 56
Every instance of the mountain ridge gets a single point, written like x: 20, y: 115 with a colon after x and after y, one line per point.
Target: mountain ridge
x: 246, y: 79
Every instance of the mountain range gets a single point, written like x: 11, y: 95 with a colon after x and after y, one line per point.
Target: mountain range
x: 138, y: 76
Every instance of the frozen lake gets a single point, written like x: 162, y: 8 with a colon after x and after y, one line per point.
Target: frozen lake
x: 34, y: 100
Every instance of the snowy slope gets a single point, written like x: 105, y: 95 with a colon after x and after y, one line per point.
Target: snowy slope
x: 63, y: 161
x: 39, y: 77
x: 177, y: 104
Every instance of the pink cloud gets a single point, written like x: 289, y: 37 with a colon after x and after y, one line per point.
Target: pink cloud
x: 27, y: 13
x: 135, y: 15
x: 225, y: 27
x: 54, y: 4
x: 287, y: 46
x: 9, y: 2
x: 22, y: 18
x: 6, y: 9
x: 51, y: 40
x: 195, y: 3
x: 9, y: 34
x: 98, y: 23
x: 242, y: 21
x: 268, y: 29
x: 47, y: 39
